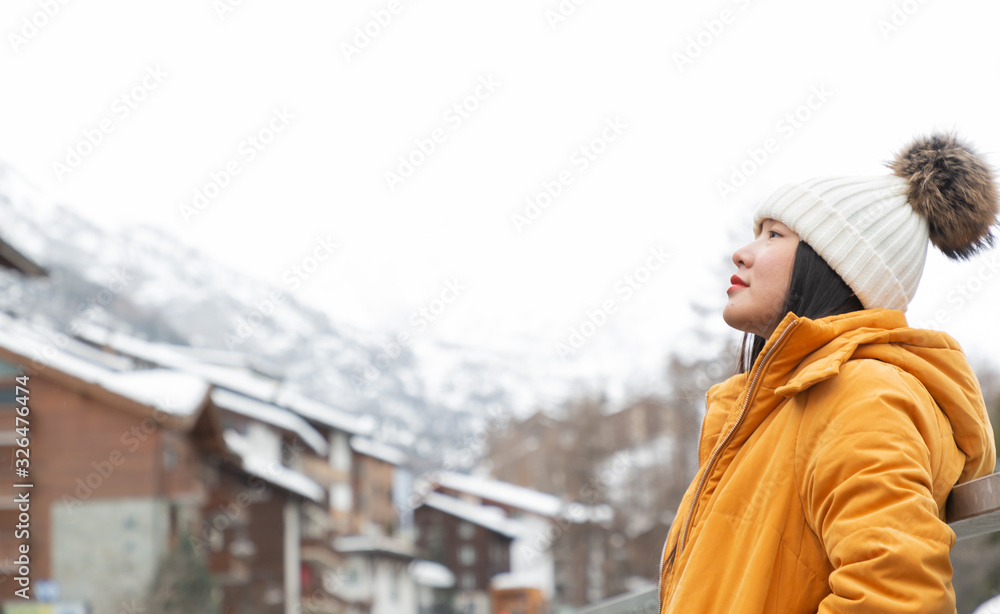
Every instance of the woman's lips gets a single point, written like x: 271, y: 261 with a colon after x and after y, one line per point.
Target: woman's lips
x: 737, y: 283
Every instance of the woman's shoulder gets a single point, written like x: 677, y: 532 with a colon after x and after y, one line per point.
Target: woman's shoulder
x: 866, y: 396
x: 867, y: 383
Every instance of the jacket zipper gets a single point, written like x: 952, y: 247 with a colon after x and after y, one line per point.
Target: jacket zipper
x: 715, y: 455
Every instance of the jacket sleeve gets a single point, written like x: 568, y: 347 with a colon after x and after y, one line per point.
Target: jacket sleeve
x: 866, y: 477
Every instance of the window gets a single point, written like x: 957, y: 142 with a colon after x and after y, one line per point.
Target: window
x: 169, y: 457
x: 467, y: 555
x: 8, y: 544
x: 496, y: 555
x: 469, y: 581
x: 637, y: 424
x: 341, y: 497
x: 340, y: 452
x: 466, y: 530
x: 435, y: 545
x: 8, y: 395
x: 7, y: 448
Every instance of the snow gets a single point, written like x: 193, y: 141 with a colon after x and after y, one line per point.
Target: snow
x: 231, y: 359
x: 431, y: 574
x: 170, y: 391
x: 991, y: 606
x: 375, y: 449
x: 524, y: 499
x: 271, y: 471
x: 489, y: 517
x: 520, y: 498
x: 524, y: 579
x: 372, y: 543
x: 230, y: 375
x: 325, y: 414
x: 238, y: 379
x: 277, y: 416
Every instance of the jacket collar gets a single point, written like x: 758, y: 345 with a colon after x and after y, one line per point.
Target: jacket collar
x: 816, y: 349
x: 811, y: 352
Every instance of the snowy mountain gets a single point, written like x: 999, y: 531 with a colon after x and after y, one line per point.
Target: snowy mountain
x: 432, y: 397
x: 428, y: 397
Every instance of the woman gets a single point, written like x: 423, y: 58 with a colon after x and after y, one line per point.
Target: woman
x: 825, y: 463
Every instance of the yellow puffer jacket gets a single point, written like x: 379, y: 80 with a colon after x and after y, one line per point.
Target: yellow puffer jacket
x: 823, y: 474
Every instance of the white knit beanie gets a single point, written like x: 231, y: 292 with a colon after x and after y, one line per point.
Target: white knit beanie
x: 873, y: 231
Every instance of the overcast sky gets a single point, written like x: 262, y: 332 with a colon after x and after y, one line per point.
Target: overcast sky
x: 414, y: 135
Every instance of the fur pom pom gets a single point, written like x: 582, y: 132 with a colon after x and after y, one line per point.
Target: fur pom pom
x: 954, y: 189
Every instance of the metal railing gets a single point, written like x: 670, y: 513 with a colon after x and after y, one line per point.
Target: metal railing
x: 643, y: 601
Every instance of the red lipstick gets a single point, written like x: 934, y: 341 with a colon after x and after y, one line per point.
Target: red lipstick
x: 737, y: 283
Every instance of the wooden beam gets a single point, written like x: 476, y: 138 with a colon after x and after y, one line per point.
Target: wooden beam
x: 973, y: 508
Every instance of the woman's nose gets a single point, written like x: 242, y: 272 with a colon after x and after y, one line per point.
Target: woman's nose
x: 743, y: 257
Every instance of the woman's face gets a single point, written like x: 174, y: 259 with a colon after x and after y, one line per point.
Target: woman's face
x: 764, y: 272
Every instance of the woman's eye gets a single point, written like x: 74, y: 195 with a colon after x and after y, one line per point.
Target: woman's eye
x: 772, y: 233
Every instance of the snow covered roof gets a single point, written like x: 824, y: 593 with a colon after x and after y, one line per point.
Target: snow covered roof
x: 520, y: 579
x: 492, y: 518
x: 229, y: 358
x: 231, y: 372
x: 505, y: 493
x: 520, y: 498
x: 429, y: 573
x: 12, y: 257
x: 582, y: 514
x: 374, y: 544
x: 328, y: 415
x: 168, y: 390
x: 236, y: 378
x: 379, y: 450
x: 272, y: 471
x: 271, y: 414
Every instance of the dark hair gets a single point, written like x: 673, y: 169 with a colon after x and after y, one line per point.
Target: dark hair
x: 815, y: 291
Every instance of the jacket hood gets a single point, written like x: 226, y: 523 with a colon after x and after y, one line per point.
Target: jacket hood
x: 815, y: 350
